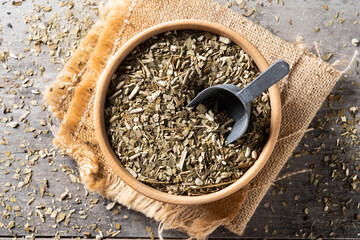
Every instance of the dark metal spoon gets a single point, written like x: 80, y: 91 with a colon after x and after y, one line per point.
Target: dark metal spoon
x: 236, y: 101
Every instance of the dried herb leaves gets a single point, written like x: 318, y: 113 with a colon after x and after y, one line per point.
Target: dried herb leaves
x: 177, y: 150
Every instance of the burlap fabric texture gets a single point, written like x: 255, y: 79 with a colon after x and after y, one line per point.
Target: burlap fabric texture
x: 71, y: 97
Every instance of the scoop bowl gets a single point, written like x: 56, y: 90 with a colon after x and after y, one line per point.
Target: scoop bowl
x: 237, y: 102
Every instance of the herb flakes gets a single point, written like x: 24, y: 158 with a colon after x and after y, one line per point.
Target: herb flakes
x: 177, y: 150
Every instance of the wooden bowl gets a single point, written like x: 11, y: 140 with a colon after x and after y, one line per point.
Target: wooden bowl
x: 100, y: 99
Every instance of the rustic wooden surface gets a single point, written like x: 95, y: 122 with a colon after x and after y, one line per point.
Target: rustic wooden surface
x: 293, y: 207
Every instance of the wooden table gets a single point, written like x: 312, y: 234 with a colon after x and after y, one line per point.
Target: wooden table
x: 323, y: 202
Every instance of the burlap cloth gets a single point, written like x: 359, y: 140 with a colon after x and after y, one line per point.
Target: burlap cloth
x: 71, y: 96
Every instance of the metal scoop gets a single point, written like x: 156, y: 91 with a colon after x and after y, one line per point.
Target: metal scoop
x: 236, y: 101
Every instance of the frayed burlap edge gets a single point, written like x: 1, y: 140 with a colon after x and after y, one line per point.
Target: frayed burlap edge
x: 196, y: 221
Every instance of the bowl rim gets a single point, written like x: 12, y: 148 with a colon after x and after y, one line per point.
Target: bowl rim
x: 100, y: 99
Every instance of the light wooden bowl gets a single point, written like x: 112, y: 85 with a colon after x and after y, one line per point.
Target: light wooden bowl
x: 100, y: 99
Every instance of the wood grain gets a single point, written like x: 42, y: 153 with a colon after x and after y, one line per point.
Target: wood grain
x: 289, y: 222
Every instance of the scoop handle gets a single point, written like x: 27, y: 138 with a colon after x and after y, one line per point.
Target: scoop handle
x: 269, y: 77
